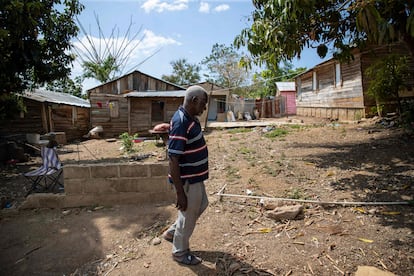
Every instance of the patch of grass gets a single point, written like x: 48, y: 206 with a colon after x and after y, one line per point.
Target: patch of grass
x: 296, y: 126
x: 244, y: 150
x: 296, y: 193
x: 271, y: 171
x: 233, y: 139
x: 239, y: 130
x: 232, y: 172
x: 278, y: 132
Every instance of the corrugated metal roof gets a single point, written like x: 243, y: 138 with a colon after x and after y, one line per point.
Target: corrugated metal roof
x: 159, y: 94
x: 286, y: 86
x: 55, y: 97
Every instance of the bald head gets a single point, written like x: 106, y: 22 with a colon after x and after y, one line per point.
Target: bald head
x: 195, y: 100
x: 194, y: 91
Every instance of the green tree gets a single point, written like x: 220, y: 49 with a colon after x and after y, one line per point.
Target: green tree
x: 388, y: 76
x: 224, y: 67
x: 101, y: 70
x: 280, y: 30
x: 264, y: 82
x: 183, y: 72
x: 35, y: 38
x: 67, y: 85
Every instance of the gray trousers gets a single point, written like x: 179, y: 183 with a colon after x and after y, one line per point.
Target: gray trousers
x: 183, y: 227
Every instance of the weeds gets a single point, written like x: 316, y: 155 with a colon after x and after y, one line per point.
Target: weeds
x: 296, y: 193
x: 127, y: 142
x: 278, y: 132
x: 232, y: 172
x: 239, y: 130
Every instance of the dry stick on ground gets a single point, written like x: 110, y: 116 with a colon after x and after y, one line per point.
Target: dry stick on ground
x: 310, y: 268
x: 356, y: 203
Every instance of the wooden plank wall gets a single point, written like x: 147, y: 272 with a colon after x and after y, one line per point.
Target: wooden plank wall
x: 38, y: 120
x: 63, y: 121
x: 100, y: 114
x: 30, y: 123
x: 135, y: 81
x: 330, y: 100
x: 140, y: 113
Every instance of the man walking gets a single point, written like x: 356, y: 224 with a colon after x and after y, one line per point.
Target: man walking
x: 188, y: 168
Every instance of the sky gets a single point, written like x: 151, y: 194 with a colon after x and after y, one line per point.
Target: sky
x: 172, y: 29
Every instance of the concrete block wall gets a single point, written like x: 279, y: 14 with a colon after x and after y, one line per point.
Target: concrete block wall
x: 108, y: 184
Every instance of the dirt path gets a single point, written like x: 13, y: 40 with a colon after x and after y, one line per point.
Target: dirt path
x: 332, y: 162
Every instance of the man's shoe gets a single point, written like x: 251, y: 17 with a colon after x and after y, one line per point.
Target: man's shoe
x: 187, y: 259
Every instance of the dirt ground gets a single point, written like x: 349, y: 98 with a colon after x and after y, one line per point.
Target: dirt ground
x: 323, y: 166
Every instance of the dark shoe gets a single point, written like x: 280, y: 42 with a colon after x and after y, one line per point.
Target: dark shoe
x: 168, y: 236
x: 187, y: 259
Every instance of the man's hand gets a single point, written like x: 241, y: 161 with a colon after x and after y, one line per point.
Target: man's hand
x: 181, y: 202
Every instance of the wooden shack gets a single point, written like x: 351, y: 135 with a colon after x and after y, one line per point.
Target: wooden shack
x: 49, y: 111
x: 147, y: 109
x: 337, y: 90
x: 117, y: 111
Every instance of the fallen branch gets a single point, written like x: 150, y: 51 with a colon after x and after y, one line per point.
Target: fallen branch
x: 310, y: 268
x: 340, y: 271
x: 352, y: 203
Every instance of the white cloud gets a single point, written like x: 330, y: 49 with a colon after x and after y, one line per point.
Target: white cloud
x: 149, y: 44
x: 223, y: 7
x: 161, y: 6
x: 204, y: 7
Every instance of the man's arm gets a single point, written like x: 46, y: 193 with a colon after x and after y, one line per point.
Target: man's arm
x: 176, y: 178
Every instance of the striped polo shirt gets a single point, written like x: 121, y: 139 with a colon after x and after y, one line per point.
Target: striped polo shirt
x: 186, y: 140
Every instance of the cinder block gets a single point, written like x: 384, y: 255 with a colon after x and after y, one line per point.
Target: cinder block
x: 147, y: 185
x: 104, y: 170
x: 100, y: 186
x: 127, y: 185
x: 76, y: 172
x: 133, y: 170
x: 74, y: 186
x: 159, y: 169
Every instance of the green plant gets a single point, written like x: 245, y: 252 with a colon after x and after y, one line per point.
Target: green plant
x: 296, y: 193
x: 244, y: 150
x: 278, y: 132
x: 295, y: 126
x: 232, y: 172
x: 239, y: 130
x: 127, y: 142
x: 271, y: 171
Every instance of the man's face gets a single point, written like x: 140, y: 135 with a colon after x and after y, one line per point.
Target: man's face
x: 200, y: 104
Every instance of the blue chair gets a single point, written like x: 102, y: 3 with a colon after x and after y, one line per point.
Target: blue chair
x: 47, y: 177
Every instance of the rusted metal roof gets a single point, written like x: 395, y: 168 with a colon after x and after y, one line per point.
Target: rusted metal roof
x: 41, y: 95
x: 156, y: 94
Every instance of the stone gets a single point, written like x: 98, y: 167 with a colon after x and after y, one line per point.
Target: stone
x: 372, y: 271
x: 285, y: 212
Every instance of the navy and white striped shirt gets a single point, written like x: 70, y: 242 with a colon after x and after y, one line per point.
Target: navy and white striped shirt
x: 186, y: 140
